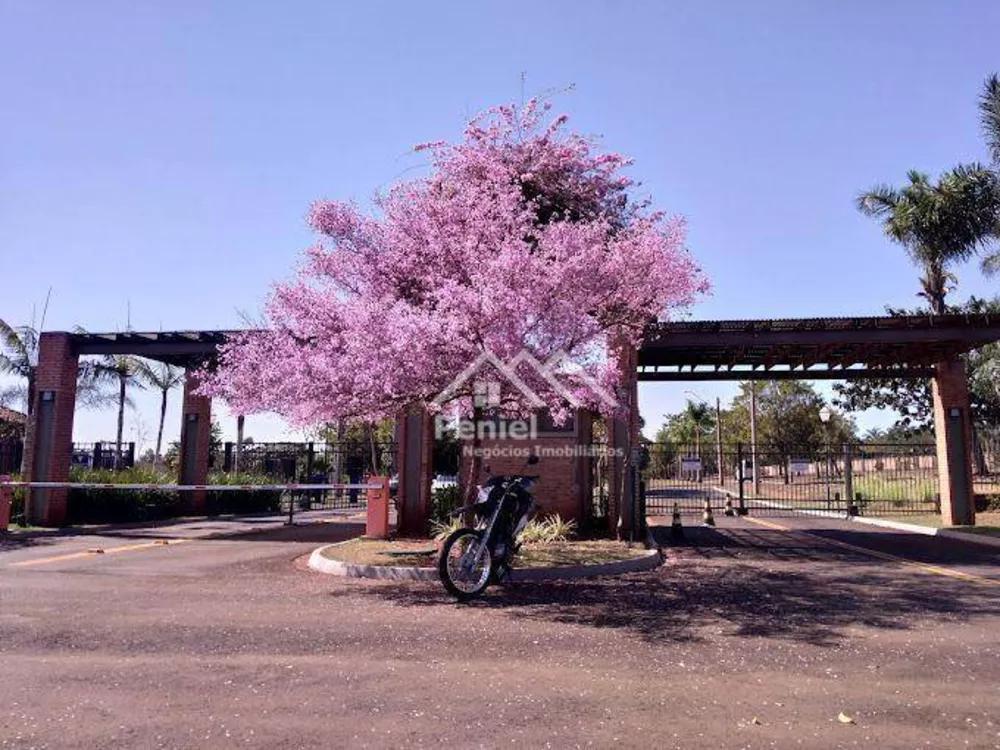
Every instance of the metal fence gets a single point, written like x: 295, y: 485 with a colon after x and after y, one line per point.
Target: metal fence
x: 11, y: 450
x: 596, y: 512
x: 869, y: 480
x: 311, y: 461
x: 103, y: 455
x: 314, y: 463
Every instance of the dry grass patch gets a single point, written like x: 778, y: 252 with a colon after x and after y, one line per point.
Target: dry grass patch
x: 421, y: 553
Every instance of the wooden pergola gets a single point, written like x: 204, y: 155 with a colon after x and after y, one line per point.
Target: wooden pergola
x: 810, y: 348
x: 802, y: 349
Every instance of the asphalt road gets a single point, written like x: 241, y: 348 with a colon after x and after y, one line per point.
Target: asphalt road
x: 754, y: 634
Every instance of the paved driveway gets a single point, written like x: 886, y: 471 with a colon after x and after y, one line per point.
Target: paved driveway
x: 752, y: 636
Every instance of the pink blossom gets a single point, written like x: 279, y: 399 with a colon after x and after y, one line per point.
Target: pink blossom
x: 522, y: 237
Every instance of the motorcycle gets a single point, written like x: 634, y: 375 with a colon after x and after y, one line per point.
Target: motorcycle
x: 473, y: 557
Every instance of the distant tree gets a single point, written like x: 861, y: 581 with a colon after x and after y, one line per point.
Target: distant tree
x: 164, y: 378
x: 699, y: 415
x: 124, y: 370
x: 788, y: 425
x: 939, y: 225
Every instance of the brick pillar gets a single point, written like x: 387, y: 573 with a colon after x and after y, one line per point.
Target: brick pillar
x: 415, y: 447
x: 196, y: 437
x: 51, y: 451
x: 953, y: 433
x: 623, y: 439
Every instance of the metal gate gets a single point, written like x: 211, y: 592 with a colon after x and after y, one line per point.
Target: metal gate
x: 853, y: 479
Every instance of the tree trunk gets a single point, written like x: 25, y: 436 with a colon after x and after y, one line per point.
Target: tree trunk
x: 370, y: 429
x: 937, y: 300
x: 159, y: 432
x: 121, y: 422
x: 28, y: 445
x: 338, y: 453
x: 476, y: 462
x: 979, y: 455
x: 240, y: 420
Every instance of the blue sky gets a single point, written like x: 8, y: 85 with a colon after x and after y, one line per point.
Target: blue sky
x: 160, y: 157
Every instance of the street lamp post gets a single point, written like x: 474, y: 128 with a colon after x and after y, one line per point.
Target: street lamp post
x: 824, y: 417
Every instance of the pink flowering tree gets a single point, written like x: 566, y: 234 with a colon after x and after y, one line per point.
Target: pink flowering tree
x: 522, y: 237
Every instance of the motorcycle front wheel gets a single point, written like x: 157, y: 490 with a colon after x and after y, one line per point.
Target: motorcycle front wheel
x: 465, y: 564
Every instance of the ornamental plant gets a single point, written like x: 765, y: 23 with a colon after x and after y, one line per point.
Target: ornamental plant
x: 522, y: 237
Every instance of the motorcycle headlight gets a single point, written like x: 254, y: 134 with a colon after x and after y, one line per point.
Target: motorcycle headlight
x: 483, y: 495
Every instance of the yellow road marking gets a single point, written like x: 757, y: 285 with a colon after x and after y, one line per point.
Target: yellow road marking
x: 924, y: 567
x: 768, y: 524
x: 92, y: 551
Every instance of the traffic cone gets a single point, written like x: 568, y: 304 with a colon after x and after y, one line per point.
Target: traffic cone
x: 729, y: 511
x: 676, y: 529
x: 706, y: 517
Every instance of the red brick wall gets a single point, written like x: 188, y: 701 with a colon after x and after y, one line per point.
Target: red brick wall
x: 202, y: 406
x: 57, y: 366
x: 950, y: 389
x: 564, y: 484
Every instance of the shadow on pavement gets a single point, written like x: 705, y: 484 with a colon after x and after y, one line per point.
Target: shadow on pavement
x: 750, y: 583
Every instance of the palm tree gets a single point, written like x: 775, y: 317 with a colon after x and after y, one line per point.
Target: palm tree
x: 989, y: 116
x: 164, y: 378
x: 699, y: 415
x: 989, y: 120
x: 125, y: 370
x: 939, y: 224
x: 19, y: 357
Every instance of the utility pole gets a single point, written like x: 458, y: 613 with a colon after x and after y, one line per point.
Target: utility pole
x: 718, y: 440
x: 753, y: 436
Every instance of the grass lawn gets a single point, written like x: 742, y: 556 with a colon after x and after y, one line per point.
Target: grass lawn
x: 421, y: 553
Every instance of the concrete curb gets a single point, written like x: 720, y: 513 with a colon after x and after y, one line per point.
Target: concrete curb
x: 913, y: 528
x: 321, y: 564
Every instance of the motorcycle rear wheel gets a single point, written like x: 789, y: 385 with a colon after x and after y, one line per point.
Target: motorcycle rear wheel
x: 464, y: 576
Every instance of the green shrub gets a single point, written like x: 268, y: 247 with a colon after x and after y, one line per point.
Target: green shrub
x: 262, y: 501
x: 558, y: 529
x: 17, y: 503
x: 444, y: 500
x: 106, y: 505
x: 551, y: 529
x: 442, y: 529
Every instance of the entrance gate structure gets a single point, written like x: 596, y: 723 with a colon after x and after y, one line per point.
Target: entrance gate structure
x: 804, y: 349
x: 927, y: 347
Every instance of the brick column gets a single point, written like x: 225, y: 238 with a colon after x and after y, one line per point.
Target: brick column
x: 415, y: 455
x: 51, y: 451
x: 196, y: 437
x: 953, y: 432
